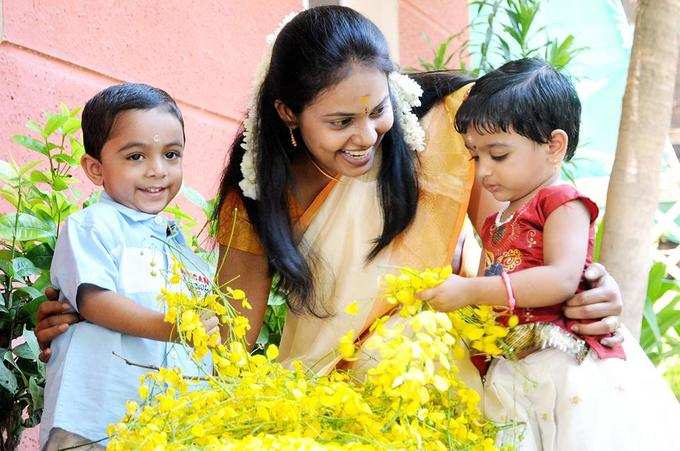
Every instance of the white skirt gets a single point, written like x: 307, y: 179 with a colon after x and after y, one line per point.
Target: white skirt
x: 609, y: 404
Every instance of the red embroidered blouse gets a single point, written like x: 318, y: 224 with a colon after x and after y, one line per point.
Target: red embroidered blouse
x: 518, y: 245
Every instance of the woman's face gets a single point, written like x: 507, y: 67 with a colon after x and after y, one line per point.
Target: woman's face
x: 344, y: 125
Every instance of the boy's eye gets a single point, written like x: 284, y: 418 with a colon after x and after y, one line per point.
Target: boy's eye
x: 172, y: 155
x: 499, y: 157
x: 135, y: 157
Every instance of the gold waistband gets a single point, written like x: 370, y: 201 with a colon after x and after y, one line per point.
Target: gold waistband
x: 528, y: 338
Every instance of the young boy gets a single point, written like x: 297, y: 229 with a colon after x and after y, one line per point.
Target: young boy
x: 111, y: 261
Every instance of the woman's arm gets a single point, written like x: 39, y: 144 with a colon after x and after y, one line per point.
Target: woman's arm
x: 54, y: 317
x: 250, y: 273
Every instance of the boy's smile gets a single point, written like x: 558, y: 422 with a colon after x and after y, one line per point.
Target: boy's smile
x: 141, y: 162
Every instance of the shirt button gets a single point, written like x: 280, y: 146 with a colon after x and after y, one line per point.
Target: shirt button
x: 158, y: 220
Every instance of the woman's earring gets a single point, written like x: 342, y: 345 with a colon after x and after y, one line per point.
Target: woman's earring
x: 293, y: 141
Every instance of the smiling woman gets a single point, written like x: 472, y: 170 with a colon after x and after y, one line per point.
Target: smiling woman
x: 343, y: 127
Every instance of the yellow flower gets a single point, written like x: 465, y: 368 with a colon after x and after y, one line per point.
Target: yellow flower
x: 352, y: 309
x: 130, y: 408
x: 272, y: 352
x: 346, y: 347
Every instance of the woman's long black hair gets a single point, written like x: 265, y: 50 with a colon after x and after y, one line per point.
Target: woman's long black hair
x: 312, y: 53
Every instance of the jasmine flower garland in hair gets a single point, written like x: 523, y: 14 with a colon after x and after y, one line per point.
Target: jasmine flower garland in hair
x: 407, y: 94
x: 248, y: 164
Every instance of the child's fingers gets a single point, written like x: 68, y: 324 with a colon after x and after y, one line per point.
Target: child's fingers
x: 427, y: 295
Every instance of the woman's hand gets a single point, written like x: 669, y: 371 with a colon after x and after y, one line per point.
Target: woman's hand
x: 602, y: 302
x: 53, y: 320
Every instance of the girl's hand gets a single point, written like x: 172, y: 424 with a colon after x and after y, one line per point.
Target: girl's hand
x: 452, y: 294
x: 602, y: 302
x: 52, y: 321
x: 210, y: 324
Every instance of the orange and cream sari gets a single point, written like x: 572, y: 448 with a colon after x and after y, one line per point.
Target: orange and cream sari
x: 338, y: 229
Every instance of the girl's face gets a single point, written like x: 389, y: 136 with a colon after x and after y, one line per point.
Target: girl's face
x: 344, y: 125
x: 511, y: 166
x: 140, y: 165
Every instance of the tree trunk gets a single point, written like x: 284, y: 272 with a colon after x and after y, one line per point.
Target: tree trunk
x: 632, y: 198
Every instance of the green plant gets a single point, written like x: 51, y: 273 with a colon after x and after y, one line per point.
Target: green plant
x: 41, y: 195
x: 661, y: 321
x: 672, y: 375
x: 274, y: 319
x: 509, y: 40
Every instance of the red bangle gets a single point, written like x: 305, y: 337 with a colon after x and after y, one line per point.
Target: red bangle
x: 508, y: 290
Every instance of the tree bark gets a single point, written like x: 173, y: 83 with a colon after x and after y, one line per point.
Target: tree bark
x: 632, y: 198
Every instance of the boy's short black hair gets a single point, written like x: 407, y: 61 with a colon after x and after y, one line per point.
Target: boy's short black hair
x: 100, y: 111
x: 527, y: 95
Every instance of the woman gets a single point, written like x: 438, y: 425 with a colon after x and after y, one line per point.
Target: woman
x: 323, y: 190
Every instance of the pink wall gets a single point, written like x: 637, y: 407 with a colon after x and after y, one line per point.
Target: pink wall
x: 204, y: 56
x: 439, y: 19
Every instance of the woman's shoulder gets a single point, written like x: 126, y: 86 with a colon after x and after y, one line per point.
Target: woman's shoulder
x: 234, y: 228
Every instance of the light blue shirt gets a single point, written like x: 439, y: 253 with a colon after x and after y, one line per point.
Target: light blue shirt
x: 128, y: 252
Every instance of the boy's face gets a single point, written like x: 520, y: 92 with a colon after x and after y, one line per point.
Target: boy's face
x: 140, y: 164
x: 511, y: 166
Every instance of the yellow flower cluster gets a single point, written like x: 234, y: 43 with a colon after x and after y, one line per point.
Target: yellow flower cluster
x: 411, y: 399
x: 477, y: 326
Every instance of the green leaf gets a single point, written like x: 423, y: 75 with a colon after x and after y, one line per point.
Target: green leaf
x: 25, y: 168
x: 654, y: 286
x: 7, y: 379
x: 23, y: 267
x: 77, y: 149
x: 70, y: 125
x: 65, y: 158
x: 30, y: 143
x: 36, y: 392
x: 9, y: 196
x: 28, y: 227
x: 32, y: 292
x: 24, y: 351
x: 43, y: 281
x: 6, y: 263
x: 60, y: 183
x: 31, y: 341
x: 41, y: 256
x: 39, y: 177
x: 650, y: 318
x: 53, y: 123
x: 34, y: 126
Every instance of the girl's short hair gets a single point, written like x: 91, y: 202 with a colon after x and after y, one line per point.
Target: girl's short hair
x: 528, y: 96
x: 100, y: 112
